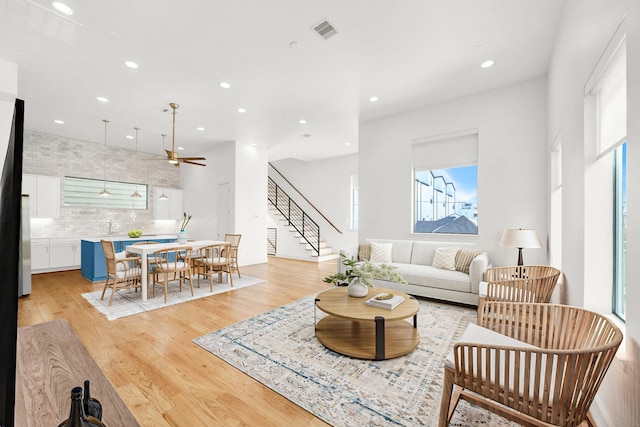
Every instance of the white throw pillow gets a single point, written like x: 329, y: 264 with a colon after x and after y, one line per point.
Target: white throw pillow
x: 120, y: 255
x: 445, y: 258
x: 381, y: 252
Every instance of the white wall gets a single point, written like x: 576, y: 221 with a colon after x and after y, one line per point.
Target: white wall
x: 327, y: 185
x: 250, y: 201
x: 200, y: 185
x: 586, y: 27
x: 512, y: 164
x: 8, y: 91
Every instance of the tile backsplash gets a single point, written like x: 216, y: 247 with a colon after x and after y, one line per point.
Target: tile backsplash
x: 60, y: 156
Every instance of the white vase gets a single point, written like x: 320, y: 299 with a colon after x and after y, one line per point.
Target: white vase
x: 357, y: 289
x: 182, y: 237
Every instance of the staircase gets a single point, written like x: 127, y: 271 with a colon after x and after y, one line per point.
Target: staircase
x: 299, y: 224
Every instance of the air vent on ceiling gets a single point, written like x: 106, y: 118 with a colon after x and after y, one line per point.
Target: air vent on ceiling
x: 325, y: 29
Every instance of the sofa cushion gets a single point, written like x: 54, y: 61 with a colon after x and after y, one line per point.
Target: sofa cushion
x: 464, y: 258
x: 364, y: 252
x: 445, y: 258
x: 381, y: 252
x: 425, y: 275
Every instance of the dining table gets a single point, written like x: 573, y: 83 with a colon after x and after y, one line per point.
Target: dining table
x: 148, y: 249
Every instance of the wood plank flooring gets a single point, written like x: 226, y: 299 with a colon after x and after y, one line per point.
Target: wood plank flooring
x: 164, y: 378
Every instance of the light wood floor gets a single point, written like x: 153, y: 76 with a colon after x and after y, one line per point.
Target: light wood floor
x: 164, y: 378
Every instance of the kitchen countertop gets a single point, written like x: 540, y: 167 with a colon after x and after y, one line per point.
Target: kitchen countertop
x: 124, y: 237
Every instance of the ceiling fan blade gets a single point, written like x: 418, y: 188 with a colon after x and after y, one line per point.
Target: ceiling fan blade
x: 192, y: 158
x: 192, y: 163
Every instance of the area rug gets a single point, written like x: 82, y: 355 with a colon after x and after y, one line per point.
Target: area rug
x: 127, y: 302
x: 279, y: 349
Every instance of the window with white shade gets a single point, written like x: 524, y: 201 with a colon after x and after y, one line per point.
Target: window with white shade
x: 606, y: 130
x: 445, y: 184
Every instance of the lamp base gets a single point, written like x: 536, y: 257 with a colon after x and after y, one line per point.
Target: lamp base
x: 520, y: 256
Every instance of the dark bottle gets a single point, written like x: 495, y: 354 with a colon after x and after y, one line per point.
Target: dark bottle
x: 91, y: 405
x: 77, y: 418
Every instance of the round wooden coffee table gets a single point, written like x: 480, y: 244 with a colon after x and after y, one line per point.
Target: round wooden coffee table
x: 355, y: 329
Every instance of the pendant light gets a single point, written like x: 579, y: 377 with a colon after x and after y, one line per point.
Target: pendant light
x: 135, y: 193
x: 163, y: 196
x: 104, y: 191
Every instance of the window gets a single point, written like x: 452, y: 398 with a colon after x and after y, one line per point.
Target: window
x: 354, y: 202
x: 620, y: 232
x: 445, y: 185
x: 86, y: 192
x: 606, y: 124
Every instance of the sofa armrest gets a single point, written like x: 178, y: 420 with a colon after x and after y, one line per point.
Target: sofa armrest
x: 476, y: 271
x: 348, y: 252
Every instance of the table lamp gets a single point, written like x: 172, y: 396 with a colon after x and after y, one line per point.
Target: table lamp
x: 520, y: 238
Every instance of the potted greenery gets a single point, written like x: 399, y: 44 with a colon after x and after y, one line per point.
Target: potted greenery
x: 358, y: 275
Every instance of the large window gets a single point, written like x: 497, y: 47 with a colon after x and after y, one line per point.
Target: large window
x: 86, y: 192
x: 620, y: 238
x: 445, y: 185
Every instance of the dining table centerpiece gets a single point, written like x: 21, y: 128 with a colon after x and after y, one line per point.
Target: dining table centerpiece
x: 358, y: 274
x: 182, y: 234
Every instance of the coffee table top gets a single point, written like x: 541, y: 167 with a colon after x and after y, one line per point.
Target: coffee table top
x: 337, y: 302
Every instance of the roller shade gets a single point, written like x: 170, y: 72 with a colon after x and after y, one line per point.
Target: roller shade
x: 611, y: 92
x: 446, y: 153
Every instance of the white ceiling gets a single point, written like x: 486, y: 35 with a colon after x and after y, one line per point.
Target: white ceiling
x: 408, y: 53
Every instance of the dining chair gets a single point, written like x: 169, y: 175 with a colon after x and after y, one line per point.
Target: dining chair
x: 171, y: 261
x: 213, y: 260
x: 123, y: 270
x: 234, y: 239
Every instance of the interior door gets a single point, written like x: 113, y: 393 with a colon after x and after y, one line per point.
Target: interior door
x: 224, y: 210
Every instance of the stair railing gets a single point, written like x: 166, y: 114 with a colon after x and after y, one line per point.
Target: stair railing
x: 305, y: 199
x: 272, y: 241
x: 306, y: 227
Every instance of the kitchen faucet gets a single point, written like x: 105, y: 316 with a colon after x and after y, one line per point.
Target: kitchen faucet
x: 110, y: 226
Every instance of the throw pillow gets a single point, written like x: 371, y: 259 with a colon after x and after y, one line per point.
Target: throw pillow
x: 464, y: 258
x: 381, y: 252
x: 364, y: 251
x: 445, y: 258
x: 120, y: 255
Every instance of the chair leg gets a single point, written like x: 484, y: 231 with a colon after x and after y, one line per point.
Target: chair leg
x: 190, y: 272
x: 106, y: 285
x: 229, y: 275
x: 113, y: 291
x: 445, y: 403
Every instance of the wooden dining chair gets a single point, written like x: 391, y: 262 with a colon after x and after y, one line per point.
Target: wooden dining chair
x: 214, y: 260
x: 234, y: 240
x: 123, y: 270
x: 173, y: 261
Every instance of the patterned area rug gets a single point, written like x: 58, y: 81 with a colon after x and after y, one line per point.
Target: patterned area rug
x: 279, y: 349
x: 127, y: 302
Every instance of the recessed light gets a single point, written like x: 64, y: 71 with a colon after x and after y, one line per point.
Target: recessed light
x: 486, y: 64
x: 58, y: 122
x: 302, y: 121
x: 253, y: 144
x: 294, y: 45
x: 180, y: 148
x: 347, y: 143
x: 102, y: 99
x: 200, y: 129
x: 373, y: 99
x: 62, y: 8
x: 225, y: 85
x: 131, y: 64
x: 241, y: 110
x: 306, y: 135
x: 129, y: 137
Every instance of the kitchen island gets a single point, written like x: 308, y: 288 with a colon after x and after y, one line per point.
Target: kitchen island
x: 93, y: 265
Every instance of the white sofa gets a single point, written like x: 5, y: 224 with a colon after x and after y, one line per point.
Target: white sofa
x: 414, y: 261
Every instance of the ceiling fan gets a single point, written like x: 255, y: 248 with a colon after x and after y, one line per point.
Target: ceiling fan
x: 172, y: 155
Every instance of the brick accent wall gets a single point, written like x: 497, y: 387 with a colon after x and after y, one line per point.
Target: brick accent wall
x: 60, y: 156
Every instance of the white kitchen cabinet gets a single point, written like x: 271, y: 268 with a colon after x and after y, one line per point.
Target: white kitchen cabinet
x: 39, y: 254
x: 170, y: 208
x: 44, y: 195
x: 64, y: 253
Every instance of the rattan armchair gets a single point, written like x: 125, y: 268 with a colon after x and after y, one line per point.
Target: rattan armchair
x: 536, y: 364
x: 518, y: 283
x: 171, y: 261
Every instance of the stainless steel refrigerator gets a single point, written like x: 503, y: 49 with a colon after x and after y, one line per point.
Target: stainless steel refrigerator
x: 24, y: 272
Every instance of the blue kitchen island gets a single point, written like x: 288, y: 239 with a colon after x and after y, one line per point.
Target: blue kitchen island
x: 93, y: 265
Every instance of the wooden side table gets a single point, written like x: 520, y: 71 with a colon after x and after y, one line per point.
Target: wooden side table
x: 355, y: 329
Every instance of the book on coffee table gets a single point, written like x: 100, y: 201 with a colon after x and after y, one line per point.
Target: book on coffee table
x: 385, y: 300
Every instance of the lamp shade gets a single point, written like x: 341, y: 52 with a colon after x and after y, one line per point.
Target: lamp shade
x: 520, y: 238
